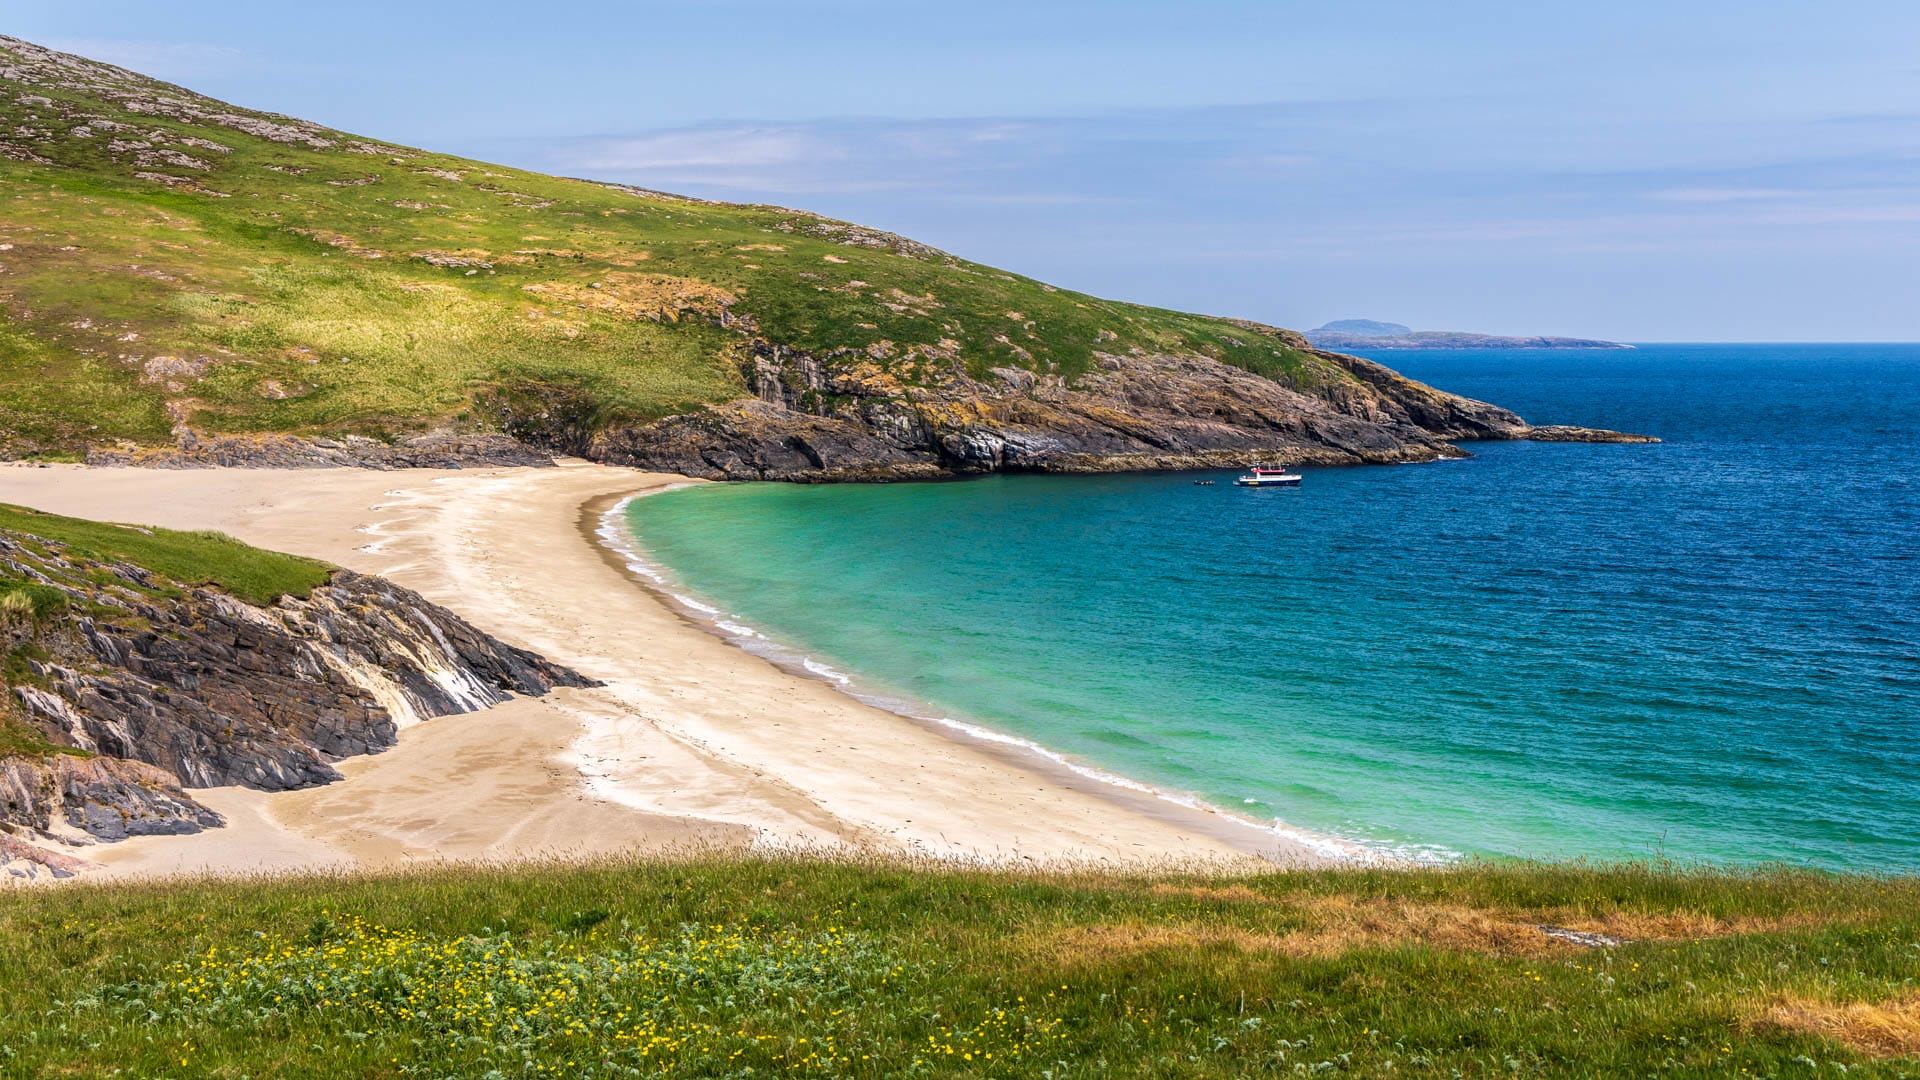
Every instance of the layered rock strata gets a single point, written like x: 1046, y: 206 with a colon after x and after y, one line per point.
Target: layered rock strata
x: 814, y: 419
x: 142, y: 690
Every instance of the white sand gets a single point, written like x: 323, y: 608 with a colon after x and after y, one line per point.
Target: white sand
x: 692, y: 742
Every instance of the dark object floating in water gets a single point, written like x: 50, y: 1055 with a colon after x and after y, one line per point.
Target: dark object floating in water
x: 1203, y: 483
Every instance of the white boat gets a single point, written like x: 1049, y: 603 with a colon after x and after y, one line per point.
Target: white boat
x: 1268, y: 476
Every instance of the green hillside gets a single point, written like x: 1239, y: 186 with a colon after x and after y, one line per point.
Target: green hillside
x: 168, y: 259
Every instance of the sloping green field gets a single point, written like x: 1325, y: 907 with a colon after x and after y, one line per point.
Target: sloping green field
x: 178, y: 558
x: 166, y: 258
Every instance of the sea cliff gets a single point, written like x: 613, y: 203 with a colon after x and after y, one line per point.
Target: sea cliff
x: 814, y: 419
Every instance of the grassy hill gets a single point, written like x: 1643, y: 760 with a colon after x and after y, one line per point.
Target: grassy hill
x: 183, y: 257
x: 715, y: 968
x: 173, y: 264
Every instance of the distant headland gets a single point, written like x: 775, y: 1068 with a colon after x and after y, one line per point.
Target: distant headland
x: 1371, y: 334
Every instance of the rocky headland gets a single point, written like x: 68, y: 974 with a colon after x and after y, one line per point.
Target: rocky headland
x: 190, y: 259
x: 125, y: 689
x: 843, y: 418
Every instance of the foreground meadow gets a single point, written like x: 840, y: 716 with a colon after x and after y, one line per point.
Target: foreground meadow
x: 714, y: 967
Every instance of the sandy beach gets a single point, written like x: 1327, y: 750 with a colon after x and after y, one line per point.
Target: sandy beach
x: 691, y: 744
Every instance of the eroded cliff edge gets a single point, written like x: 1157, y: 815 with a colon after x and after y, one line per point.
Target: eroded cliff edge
x: 124, y: 688
x: 845, y: 417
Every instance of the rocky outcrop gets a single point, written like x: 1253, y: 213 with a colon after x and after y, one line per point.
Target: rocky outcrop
x: 293, y: 452
x: 142, y: 688
x: 101, y: 797
x: 832, y: 419
x: 216, y: 691
x: 1562, y: 433
x: 20, y: 860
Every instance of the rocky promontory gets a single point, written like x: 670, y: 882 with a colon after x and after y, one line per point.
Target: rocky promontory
x: 840, y: 417
x: 125, y: 688
x: 253, y: 289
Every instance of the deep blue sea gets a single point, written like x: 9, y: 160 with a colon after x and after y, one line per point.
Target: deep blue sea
x: 1704, y: 649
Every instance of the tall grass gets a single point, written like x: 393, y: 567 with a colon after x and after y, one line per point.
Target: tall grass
x: 710, y: 966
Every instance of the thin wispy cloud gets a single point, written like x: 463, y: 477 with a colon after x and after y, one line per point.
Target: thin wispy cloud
x: 1849, y: 215
x: 1270, y: 212
x: 1716, y: 172
x: 680, y: 152
x: 1292, y: 174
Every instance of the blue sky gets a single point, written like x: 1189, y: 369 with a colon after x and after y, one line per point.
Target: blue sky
x: 1643, y: 171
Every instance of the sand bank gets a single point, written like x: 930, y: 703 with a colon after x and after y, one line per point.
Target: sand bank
x: 692, y: 742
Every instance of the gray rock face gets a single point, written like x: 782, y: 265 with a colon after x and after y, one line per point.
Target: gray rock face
x: 205, y: 690
x: 20, y: 860
x: 810, y: 421
x: 104, y: 797
x: 219, y: 692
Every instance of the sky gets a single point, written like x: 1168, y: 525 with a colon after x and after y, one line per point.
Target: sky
x: 1641, y: 171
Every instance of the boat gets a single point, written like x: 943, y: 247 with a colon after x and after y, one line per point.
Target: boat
x: 1268, y: 476
x: 1203, y: 483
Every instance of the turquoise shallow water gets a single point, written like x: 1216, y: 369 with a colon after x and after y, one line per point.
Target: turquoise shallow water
x: 1704, y: 649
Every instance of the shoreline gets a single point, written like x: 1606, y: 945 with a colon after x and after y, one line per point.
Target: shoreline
x: 600, y: 517
x: 693, y: 742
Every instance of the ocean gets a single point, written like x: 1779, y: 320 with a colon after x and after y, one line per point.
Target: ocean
x: 1707, y: 649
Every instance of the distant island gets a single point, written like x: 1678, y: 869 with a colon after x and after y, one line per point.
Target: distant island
x: 1372, y: 334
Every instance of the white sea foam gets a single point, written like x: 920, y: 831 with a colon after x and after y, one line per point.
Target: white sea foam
x: 824, y: 671
x: 614, y: 536
x: 613, y: 532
